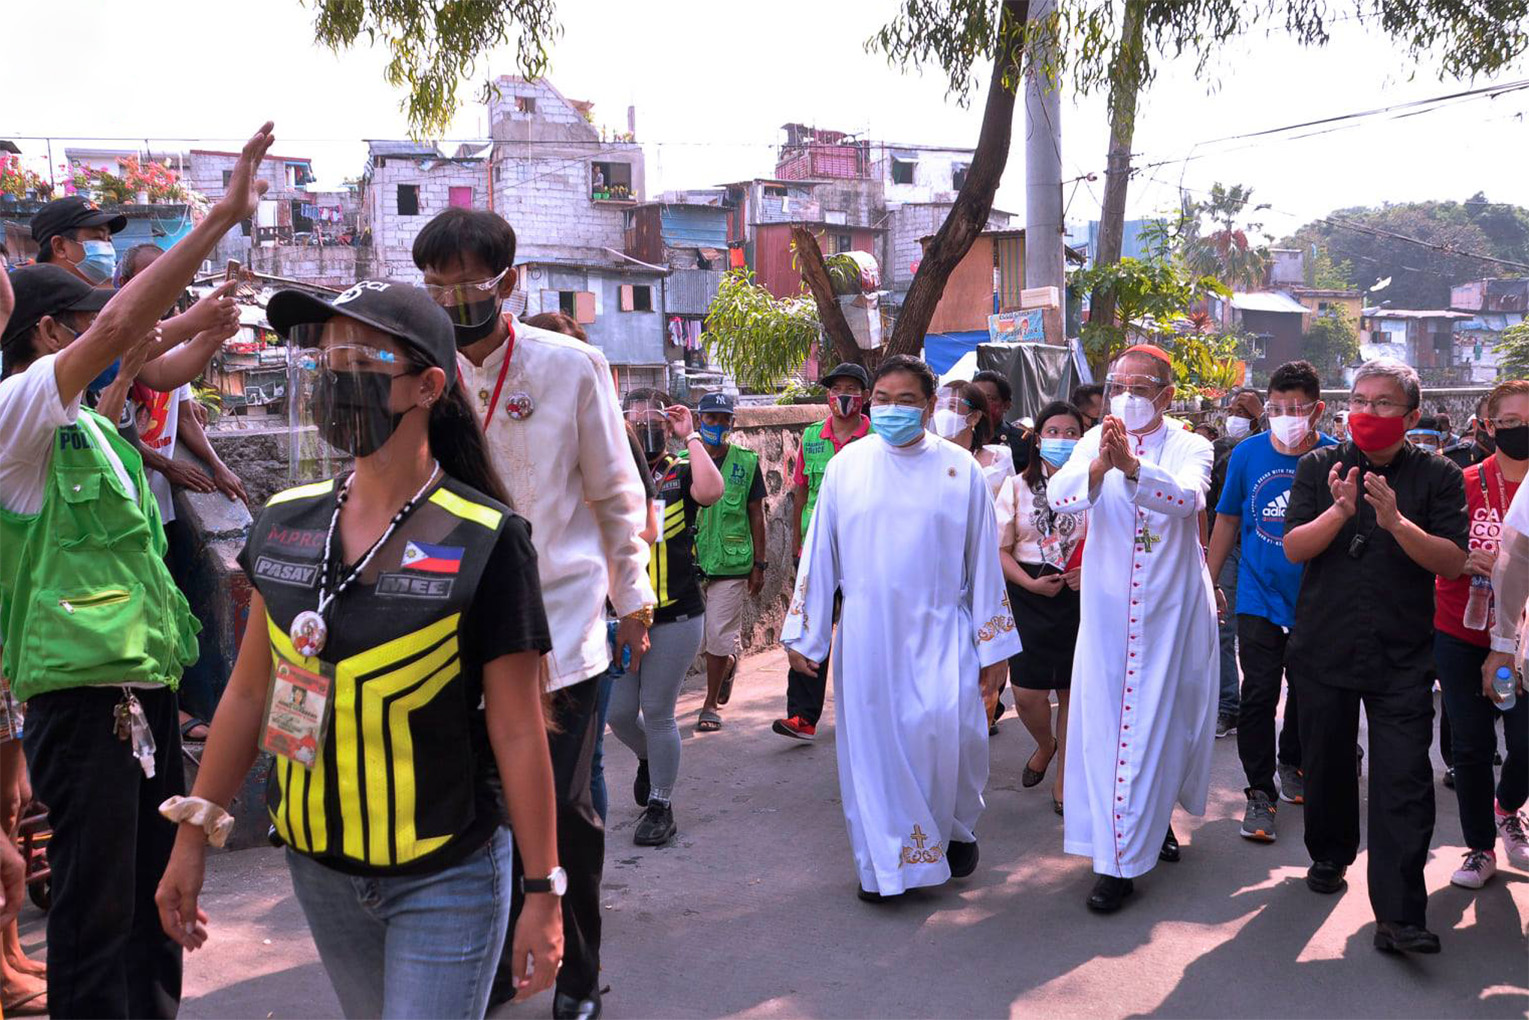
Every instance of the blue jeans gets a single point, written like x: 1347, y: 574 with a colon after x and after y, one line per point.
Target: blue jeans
x: 1230, y: 699
x: 597, y: 790
x: 410, y: 946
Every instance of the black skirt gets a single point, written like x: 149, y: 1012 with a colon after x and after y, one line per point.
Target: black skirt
x: 1048, y: 629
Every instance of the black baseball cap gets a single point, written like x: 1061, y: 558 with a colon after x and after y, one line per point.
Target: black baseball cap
x: 45, y: 289
x: 401, y: 310
x: 715, y: 403
x: 848, y: 371
x: 63, y: 214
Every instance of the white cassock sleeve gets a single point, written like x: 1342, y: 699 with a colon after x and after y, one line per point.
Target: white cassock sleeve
x: 809, y: 625
x: 1178, y: 493
x: 1067, y: 490
x: 997, y: 638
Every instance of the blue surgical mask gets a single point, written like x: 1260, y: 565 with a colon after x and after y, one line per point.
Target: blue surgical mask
x: 1056, y: 451
x: 712, y: 435
x: 100, y: 261
x: 896, y: 424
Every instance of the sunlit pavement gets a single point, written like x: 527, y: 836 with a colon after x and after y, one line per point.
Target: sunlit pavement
x: 752, y: 910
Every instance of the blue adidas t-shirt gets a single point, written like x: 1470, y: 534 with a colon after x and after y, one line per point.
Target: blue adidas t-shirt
x: 1257, y: 489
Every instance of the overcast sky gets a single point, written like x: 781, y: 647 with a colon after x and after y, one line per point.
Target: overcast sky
x: 712, y: 86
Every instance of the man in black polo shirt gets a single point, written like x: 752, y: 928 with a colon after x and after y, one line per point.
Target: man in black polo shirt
x: 1373, y: 519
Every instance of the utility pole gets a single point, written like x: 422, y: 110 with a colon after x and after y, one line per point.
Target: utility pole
x: 1044, y: 230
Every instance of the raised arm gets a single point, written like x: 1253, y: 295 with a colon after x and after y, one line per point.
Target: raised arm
x: 133, y: 311
x: 1310, y: 528
x: 1077, y: 484
x: 1178, y: 493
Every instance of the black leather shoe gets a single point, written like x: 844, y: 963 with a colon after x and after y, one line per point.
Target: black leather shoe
x: 1325, y: 877
x: 640, y: 786
x: 1395, y: 937
x: 1170, y: 850
x: 866, y: 896
x: 566, y: 1007
x: 962, y: 858
x: 1109, y: 893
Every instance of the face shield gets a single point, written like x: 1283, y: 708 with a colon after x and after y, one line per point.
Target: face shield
x: 344, y: 397
x: 951, y: 416
x: 473, y: 306
x: 652, y: 428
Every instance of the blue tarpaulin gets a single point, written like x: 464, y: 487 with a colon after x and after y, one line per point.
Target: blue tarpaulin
x: 942, y: 350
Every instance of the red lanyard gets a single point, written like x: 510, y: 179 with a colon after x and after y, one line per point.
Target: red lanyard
x: 509, y: 352
x: 1502, y: 489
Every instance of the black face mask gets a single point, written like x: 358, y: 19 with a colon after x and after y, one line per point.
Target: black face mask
x: 351, y: 411
x: 466, y: 336
x: 1514, y: 442
x: 652, y: 440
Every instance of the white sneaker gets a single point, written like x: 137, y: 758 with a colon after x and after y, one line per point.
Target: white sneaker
x: 1514, y: 839
x: 1479, y: 866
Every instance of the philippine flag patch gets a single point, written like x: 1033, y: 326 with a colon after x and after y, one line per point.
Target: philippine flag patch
x: 433, y: 559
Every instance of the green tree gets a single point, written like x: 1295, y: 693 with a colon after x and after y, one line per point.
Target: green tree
x: 1513, y: 353
x: 758, y: 339
x: 435, y: 44
x: 1151, y: 298
x: 1325, y: 273
x: 1117, y: 47
x: 1417, y: 246
x: 1331, y: 343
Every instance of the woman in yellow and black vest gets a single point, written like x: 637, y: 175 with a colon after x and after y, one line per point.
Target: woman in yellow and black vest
x: 643, y: 700
x: 392, y: 666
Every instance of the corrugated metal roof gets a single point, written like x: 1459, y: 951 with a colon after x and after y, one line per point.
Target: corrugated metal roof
x: 402, y: 147
x: 1267, y: 301
x: 1413, y: 313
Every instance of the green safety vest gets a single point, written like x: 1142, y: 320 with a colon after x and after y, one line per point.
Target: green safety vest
x: 85, y: 596
x: 816, y: 453
x: 724, y: 543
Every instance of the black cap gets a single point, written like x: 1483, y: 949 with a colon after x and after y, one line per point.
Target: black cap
x: 45, y: 289
x: 399, y: 309
x: 848, y: 371
x: 715, y: 403
x: 63, y: 214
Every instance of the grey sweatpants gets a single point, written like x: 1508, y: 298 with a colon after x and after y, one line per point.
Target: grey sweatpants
x: 653, y: 689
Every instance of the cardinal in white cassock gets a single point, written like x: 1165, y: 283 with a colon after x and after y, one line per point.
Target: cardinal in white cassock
x: 904, y: 528
x: 1144, y: 680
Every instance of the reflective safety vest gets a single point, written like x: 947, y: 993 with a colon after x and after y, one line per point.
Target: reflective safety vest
x: 724, y: 544
x: 85, y: 596
x: 400, y: 782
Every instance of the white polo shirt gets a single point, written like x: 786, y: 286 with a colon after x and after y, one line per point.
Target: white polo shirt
x: 559, y: 445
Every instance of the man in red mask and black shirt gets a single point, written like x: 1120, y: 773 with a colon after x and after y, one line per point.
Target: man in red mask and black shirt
x: 1374, y: 520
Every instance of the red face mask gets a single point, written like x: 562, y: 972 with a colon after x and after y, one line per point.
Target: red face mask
x: 847, y: 404
x: 1371, y: 432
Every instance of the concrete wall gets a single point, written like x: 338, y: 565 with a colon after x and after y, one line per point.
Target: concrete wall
x: 393, y: 234
x: 626, y: 338
x: 330, y: 266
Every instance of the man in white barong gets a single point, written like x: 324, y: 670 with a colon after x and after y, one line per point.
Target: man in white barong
x: 1144, y: 679
x: 922, y: 635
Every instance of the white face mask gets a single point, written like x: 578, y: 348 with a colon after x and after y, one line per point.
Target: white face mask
x: 947, y: 424
x: 1136, y: 412
x: 1237, y: 427
x: 1291, y: 431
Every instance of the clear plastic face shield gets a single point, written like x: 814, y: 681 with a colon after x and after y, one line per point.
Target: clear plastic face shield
x: 1134, y: 398
x: 651, y: 425
x: 472, y: 306
x: 952, y: 414
x: 350, y: 386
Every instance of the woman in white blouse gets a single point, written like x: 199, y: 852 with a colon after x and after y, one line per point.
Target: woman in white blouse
x: 1041, y: 551
x: 961, y: 416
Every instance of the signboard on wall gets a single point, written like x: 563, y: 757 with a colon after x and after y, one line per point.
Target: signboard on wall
x: 1028, y: 326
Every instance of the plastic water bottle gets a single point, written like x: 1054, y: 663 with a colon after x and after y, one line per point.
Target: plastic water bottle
x: 1504, y: 686
x: 1476, y: 606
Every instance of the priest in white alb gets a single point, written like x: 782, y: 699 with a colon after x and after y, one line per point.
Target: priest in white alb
x: 1144, y: 680
x: 904, y: 528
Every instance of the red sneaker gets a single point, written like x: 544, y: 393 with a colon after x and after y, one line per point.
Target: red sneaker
x: 796, y: 728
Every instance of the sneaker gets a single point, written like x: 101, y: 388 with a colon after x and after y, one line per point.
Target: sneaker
x: 1292, y: 785
x: 1226, y: 724
x: 1258, y: 820
x: 796, y: 728
x: 1479, y: 866
x: 1511, y: 828
x: 656, y: 826
x: 641, y: 785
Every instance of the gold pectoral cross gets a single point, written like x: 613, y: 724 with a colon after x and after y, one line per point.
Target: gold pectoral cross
x: 1146, y: 539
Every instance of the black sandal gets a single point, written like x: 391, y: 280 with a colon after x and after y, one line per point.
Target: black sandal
x: 191, y: 723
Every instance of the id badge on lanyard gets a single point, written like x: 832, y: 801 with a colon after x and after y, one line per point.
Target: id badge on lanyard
x: 297, y: 710
x: 1052, y: 552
